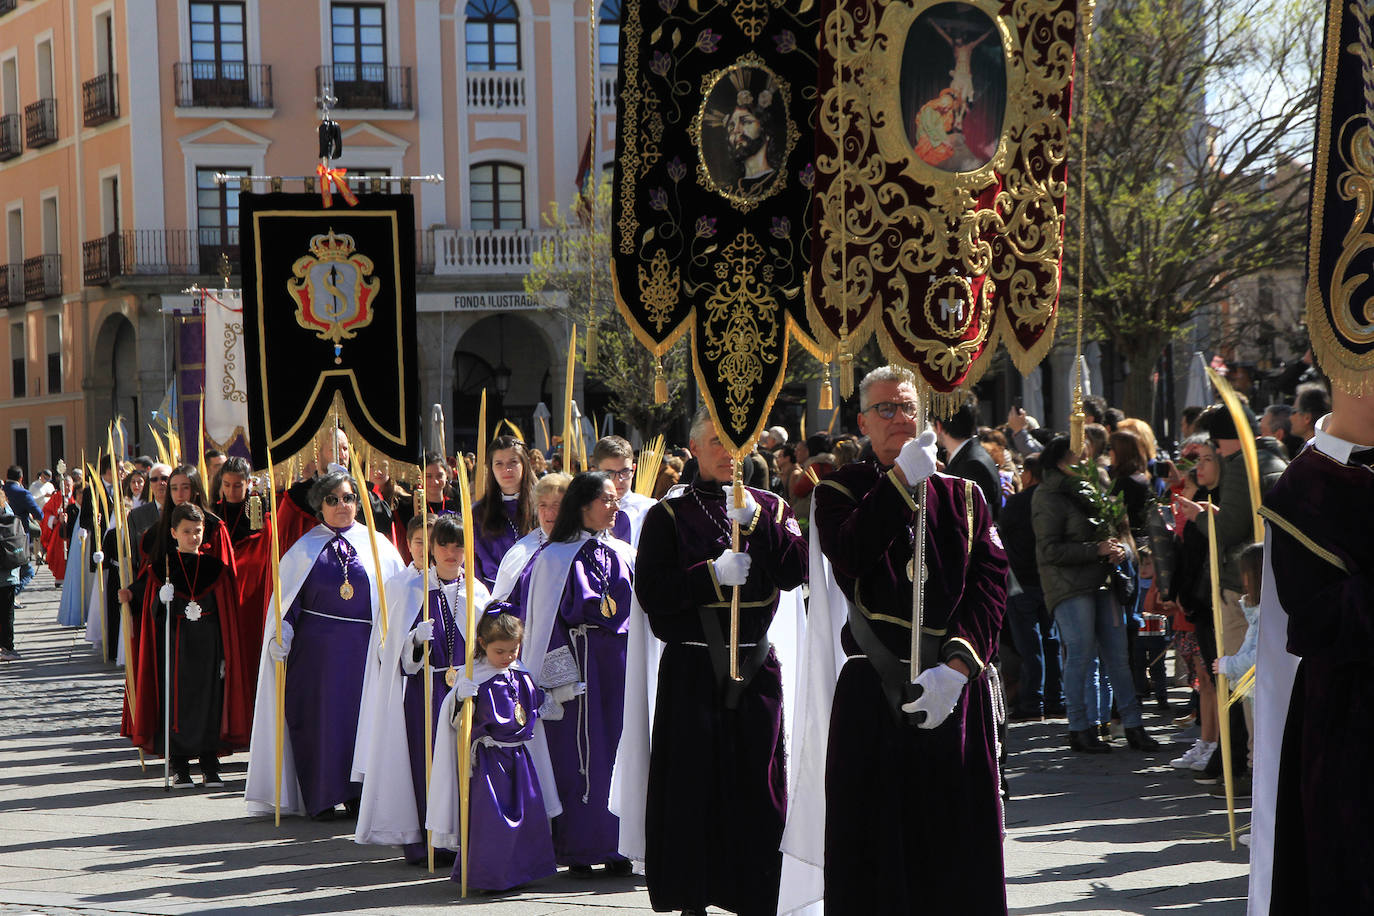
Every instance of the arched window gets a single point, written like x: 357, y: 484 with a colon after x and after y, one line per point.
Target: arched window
x: 492, y: 35
x: 608, y: 33
x: 497, y: 194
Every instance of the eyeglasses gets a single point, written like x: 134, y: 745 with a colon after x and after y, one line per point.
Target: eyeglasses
x: 609, y: 501
x: 622, y: 474
x: 888, y: 409
x: 157, y: 479
x: 347, y: 499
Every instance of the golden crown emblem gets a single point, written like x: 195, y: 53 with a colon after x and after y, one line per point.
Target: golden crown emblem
x: 332, y: 247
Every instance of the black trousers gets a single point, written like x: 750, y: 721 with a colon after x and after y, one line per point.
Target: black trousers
x: 6, y: 616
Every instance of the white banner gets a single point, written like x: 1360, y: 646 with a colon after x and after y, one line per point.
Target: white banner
x: 226, y: 389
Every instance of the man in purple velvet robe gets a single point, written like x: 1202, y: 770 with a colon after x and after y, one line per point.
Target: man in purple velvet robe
x: 717, y: 793
x: 913, y: 815
x: 1322, y: 556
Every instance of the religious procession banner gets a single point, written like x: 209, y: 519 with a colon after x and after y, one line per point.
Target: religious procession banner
x: 712, y: 198
x: 1340, y: 253
x: 226, y: 382
x: 329, y: 318
x: 941, y: 182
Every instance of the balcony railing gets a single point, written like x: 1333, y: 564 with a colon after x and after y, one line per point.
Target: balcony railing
x: 40, y: 123
x: 487, y: 251
x: 11, y: 137
x: 12, y: 289
x: 609, y: 85
x: 43, y: 276
x: 167, y: 252
x: 8, y: 6
x: 100, y: 99
x: 365, y: 86
x: 100, y: 260
x: 496, y: 89
x: 207, y: 84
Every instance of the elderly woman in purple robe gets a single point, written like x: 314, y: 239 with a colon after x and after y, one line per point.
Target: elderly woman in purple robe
x: 576, y: 601
x: 506, y: 513
x: 330, y: 605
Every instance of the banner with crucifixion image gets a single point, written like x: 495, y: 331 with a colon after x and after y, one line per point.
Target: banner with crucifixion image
x: 329, y: 319
x: 712, y: 201
x: 941, y: 182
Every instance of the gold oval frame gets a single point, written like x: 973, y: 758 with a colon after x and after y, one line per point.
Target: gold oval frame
x: 893, y: 143
x: 792, y: 134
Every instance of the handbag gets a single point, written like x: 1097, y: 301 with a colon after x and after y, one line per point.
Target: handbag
x: 1125, y: 583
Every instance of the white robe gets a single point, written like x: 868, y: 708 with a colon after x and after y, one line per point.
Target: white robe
x: 636, y: 507
x: 514, y: 563
x: 388, y: 816
x: 295, y: 566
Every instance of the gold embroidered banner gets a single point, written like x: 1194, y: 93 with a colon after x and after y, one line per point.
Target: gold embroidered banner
x: 712, y: 201
x: 940, y: 181
x: 1340, y: 252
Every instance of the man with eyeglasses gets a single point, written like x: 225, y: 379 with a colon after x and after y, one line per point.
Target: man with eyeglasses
x: 294, y: 513
x: 147, y: 515
x: 926, y: 750
x: 717, y: 783
x: 614, y: 455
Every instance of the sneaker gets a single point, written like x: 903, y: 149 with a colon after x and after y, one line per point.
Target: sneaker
x: 1207, y: 779
x: 9, y: 655
x: 182, y: 780
x: 1243, y: 839
x: 211, y: 779
x: 1200, y: 751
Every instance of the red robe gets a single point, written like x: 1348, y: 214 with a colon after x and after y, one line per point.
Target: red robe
x: 253, y: 559
x: 293, y: 518
x: 239, y: 671
x: 54, y: 544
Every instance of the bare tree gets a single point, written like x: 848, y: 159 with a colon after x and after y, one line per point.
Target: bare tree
x: 1198, y: 112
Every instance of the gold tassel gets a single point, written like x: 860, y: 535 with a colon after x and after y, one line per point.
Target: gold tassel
x: 660, y: 383
x: 827, y: 399
x: 1077, y: 420
x: 591, y: 347
x: 846, y: 367
x: 255, y: 511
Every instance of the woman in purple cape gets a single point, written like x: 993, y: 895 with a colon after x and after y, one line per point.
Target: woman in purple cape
x: 506, y: 513
x: 577, y: 606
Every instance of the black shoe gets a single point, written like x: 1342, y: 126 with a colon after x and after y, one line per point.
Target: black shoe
x: 328, y: 814
x: 1055, y: 712
x: 1087, y: 742
x: 211, y: 779
x: 1104, y: 731
x: 1240, y: 788
x: 1207, y: 779
x: 581, y: 871
x: 181, y: 779
x: 1140, y: 740
x: 353, y: 806
x: 620, y: 868
x: 1025, y: 715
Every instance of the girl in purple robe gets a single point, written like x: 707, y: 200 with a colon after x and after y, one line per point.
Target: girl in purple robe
x: 578, y: 606
x: 508, y: 831
x: 506, y: 514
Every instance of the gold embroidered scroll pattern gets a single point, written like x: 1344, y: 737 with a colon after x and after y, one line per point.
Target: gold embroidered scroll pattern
x: 1356, y: 183
x: 659, y: 288
x: 741, y: 327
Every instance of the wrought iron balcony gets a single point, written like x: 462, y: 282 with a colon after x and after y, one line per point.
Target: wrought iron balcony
x: 100, y: 99
x: 207, y: 84
x: 165, y: 252
x: 12, y: 286
x: 365, y: 86
x: 8, y: 6
x: 11, y: 137
x: 100, y: 260
x: 43, y: 276
x: 40, y: 123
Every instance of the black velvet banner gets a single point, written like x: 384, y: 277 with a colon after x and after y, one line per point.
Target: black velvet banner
x: 1340, y: 282
x: 712, y: 231
x: 329, y: 309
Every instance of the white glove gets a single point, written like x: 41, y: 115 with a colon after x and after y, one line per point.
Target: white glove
x: 52, y: 521
x: 917, y: 458
x: 940, y: 689
x: 166, y: 593
x: 465, y: 687
x: 550, y: 710
x: 732, y: 567
x: 98, y: 557
x: 278, y: 651
x: 745, y: 513
x: 423, y: 633
x: 568, y: 691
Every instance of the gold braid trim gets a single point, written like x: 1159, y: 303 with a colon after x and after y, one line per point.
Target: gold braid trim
x: 1297, y: 535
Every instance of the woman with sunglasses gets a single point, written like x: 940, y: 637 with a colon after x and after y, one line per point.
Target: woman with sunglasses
x: 330, y: 605
x: 576, y: 601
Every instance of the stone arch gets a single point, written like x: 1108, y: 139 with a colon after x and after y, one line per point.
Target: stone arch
x: 520, y: 344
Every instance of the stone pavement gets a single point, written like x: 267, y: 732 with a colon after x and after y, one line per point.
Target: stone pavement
x: 84, y: 830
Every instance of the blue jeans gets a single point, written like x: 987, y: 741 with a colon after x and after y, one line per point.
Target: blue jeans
x: 26, y: 575
x: 1089, y: 625
x: 1099, y: 710
x: 1037, y: 642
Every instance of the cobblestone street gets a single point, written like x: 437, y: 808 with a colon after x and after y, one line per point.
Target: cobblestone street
x: 84, y: 830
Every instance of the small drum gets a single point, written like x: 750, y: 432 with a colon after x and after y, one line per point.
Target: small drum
x: 1154, y: 625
